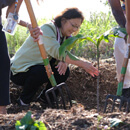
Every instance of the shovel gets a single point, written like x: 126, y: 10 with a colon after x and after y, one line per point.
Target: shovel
x: 50, y: 75
x: 120, y: 86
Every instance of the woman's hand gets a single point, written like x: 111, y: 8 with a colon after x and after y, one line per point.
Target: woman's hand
x: 89, y: 68
x: 35, y: 32
x: 86, y: 65
x: 62, y: 67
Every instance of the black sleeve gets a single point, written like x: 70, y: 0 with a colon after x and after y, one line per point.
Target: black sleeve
x: 4, y: 3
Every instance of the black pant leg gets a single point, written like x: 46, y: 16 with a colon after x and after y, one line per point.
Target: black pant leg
x: 59, y: 79
x: 31, y: 81
x: 4, y: 70
x: 34, y: 78
x: 19, y: 79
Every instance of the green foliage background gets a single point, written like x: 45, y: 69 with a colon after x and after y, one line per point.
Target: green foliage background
x: 94, y: 27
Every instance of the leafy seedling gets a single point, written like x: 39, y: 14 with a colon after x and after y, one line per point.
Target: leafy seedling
x: 70, y: 42
x: 29, y: 123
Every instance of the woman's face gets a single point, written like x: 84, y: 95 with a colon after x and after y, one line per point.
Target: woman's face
x: 70, y: 26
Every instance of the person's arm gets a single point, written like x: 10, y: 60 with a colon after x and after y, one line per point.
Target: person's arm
x: 118, y: 12
x: 24, y: 24
x: 128, y: 19
x: 86, y: 65
x: 34, y: 32
x: 12, y: 7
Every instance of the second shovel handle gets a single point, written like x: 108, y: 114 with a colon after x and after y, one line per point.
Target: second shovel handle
x: 123, y: 72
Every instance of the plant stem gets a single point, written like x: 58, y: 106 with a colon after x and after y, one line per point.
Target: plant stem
x: 98, y: 80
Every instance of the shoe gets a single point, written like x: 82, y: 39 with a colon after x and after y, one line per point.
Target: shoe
x: 40, y: 99
x: 43, y: 101
x: 21, y: 103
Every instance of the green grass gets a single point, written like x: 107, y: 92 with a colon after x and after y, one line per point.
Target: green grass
x: 94, y: 27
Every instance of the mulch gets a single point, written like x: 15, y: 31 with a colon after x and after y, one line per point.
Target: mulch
x: 83, y: 115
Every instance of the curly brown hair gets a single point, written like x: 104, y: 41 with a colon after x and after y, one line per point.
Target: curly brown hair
x: 68, y: 13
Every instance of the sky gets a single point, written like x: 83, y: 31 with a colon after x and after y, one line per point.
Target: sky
x: 50, y: 8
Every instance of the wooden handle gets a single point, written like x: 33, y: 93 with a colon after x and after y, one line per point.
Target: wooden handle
x: 41, y: 46
x: 34, y: 25
x: 31, y: 13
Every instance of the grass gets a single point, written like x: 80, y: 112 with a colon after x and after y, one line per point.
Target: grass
x: 96, y: 26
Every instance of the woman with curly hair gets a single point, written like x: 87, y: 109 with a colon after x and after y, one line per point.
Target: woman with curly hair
x: 28, y: 69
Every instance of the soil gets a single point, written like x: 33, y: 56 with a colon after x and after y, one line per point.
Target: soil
x: 85, y: 114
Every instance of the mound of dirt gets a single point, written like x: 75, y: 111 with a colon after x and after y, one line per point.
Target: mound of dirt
x: 83, y: 115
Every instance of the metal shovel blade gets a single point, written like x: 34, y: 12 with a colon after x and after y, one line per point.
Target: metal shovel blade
x: 53, y: 90
x: 122, y: 100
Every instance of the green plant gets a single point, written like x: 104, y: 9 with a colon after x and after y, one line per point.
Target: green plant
x: 93, y: 28
x: 99, y: 119
x: 70, y: 42
x: 29, y: 123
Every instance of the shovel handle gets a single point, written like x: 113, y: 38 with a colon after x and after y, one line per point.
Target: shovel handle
x: 123, y: 71
x: 40, y: 44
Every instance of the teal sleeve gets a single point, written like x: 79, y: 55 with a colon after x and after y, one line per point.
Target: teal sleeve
x: 71, y: 56
x: 50, y: 42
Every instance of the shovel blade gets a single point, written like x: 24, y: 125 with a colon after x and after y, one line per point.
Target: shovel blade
x: 53, y: 92
x: 122, y: 100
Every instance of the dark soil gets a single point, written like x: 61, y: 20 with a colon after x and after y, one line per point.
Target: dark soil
x: 83, y: 115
